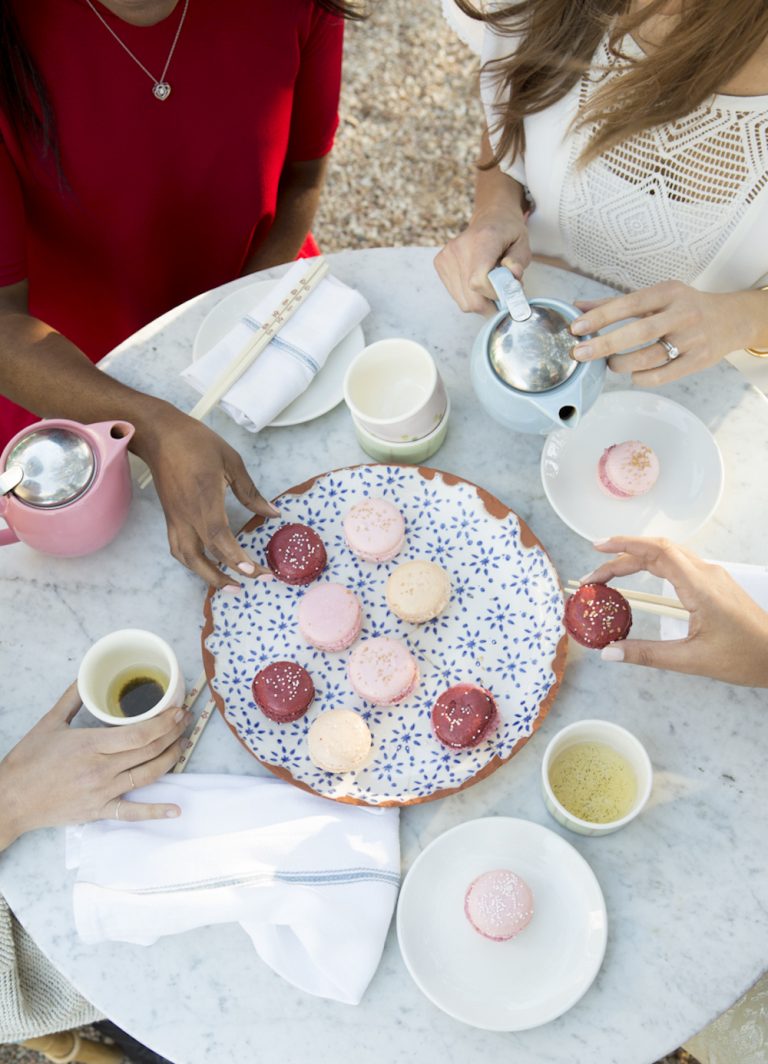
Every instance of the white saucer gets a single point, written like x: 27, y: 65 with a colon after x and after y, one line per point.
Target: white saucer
x: 325, y: 391
x: 502, y: 986
x: 684, y: 497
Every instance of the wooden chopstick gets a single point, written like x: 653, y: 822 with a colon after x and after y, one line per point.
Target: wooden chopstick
x: 258, y: 342
x: 197, y: 731
x: 655, y: 604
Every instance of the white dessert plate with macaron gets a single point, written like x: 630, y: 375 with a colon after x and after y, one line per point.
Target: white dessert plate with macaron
x: 327, y: 389
x: 529, y: 979
x: 690, y: 469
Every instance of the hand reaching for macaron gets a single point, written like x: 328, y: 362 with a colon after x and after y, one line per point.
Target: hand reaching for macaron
x: 727, y: 633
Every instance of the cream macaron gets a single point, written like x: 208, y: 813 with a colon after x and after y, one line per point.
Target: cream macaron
x: 339, y: 741
x: 418, y: 591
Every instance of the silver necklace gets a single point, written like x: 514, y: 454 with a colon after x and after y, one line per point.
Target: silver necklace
x: 161, y: 90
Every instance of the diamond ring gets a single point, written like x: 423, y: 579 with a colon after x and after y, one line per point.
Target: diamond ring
x: 672, y: 350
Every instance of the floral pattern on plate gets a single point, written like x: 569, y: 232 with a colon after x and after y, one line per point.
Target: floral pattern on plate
x: 502, y: 629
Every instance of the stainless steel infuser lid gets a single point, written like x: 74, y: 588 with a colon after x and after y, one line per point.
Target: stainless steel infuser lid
x: 532, y: 352
x: 56, y: 466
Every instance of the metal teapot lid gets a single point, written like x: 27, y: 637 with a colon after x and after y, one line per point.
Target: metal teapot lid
x: 530, y: 352
x: 49, y: 467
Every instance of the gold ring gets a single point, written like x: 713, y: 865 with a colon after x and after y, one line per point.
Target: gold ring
x: 117, y: 808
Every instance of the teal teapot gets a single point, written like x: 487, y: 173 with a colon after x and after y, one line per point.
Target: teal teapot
x: 521, y: 364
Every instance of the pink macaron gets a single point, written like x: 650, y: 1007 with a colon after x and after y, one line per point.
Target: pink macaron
x: 330, y: 617
x: 499, y: 904
x: 383, y: 671
x: 374, y: 530
x: 627, y: 469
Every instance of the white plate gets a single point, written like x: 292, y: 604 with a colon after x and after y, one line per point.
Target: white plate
x: 325, y: 391
x: 684, y: 497
x: 502, y: 986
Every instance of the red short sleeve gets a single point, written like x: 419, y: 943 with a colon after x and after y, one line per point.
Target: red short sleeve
x: 315, y: 113
x: 13, y: 259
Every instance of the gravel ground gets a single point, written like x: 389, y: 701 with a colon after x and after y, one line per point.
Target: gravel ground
x: 402, y: 166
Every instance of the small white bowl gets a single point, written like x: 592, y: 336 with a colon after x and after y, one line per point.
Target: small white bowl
x: 121, y: 650
x: 414, y: 452
x: 620, y: 740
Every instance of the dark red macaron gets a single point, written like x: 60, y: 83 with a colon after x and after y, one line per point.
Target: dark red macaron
x: 597, y: 615
x: 463, y: 716
x: 296, y: 554
x: 283, y: 691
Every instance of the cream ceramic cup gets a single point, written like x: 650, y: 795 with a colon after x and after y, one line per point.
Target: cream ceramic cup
x: 620, y: 740
x: 114, y: 654
x: 394, y: 391
x: 413, y: 452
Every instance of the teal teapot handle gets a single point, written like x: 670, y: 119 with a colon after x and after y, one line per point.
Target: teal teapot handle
x: 509, y: 293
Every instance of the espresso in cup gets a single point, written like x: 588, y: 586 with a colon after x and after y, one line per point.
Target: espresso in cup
x: 136, y: 690
x: 128, y: 676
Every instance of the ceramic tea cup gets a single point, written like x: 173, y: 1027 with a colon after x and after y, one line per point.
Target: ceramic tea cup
x: 412, y: 452
x: 619, y: 740
x: 129, y: 676
x: 394, y: 391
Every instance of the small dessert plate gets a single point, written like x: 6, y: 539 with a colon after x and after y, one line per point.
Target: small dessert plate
x: 502, y: 986
x: 327, y: 389
x: 681, y: 501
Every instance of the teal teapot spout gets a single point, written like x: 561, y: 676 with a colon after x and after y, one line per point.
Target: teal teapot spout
x: 521, y: 365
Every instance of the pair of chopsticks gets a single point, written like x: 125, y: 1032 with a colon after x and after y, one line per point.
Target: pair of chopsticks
x: 641, y: 600
x: 202, y: 720
x: 260, y: 339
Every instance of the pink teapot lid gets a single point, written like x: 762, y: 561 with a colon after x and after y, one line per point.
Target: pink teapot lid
x: 56, y: 467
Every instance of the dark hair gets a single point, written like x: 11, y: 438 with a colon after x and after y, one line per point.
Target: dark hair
x: 23, y: 93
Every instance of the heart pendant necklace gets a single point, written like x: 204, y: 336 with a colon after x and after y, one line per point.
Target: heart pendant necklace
x: 161, y: 89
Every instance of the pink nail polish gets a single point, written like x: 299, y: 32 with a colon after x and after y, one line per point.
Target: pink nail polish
x: 601, y: 542
x: 232, y: 589
x: 586, y: 579
x: 612, y: 653
x: 172, y: 812
x: 247, y: 567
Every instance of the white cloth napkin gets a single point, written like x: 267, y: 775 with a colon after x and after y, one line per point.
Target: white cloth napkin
x: 292, y: 360
x: 311, y: 881
x: 753, y: 578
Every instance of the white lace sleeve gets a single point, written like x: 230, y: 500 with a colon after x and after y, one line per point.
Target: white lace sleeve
x: 468, y: 29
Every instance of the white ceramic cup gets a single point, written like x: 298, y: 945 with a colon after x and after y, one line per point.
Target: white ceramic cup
x: 121, y: 650
x: 394, y: 391
x: 620, y: 740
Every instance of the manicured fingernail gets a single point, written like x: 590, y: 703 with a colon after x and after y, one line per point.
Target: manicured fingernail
x: 172, y: 812
x: 579, y: 327
x: 612, y: 653
x: 586, y: 579
x: 179, y: 715
x: 232, y: 589
x: 247, y: 567
x: 274, y: 510
x: 266, y: 576
x: 600, y: 542
x: 581, y: 351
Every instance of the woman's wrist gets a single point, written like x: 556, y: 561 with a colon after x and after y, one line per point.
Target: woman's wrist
x: 11, y: 819
x: 758, y: 343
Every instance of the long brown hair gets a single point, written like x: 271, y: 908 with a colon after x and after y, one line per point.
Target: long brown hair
x: 709, y: 41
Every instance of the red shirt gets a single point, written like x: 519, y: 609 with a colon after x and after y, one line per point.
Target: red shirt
x: 163, y: 199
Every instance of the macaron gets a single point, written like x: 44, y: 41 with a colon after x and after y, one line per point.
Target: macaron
x: 339, y: 741
x: 330, y: 617
x: 374, y: 530
x: 597, y: 615
x: 383, y: 671
x: 464, y: 715
x: 418, y: 591
x: 499, y: 904
x: 628, y: 469
x: 283, y: 691
x: 296, y: 554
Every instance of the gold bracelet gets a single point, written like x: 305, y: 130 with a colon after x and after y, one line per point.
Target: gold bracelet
x: 758, y: 352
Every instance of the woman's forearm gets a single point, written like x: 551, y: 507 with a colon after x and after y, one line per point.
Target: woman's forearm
x: 300, y: 187
x: 496, y: 193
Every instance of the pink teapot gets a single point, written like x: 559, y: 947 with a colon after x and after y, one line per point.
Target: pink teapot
x: 65, y: 488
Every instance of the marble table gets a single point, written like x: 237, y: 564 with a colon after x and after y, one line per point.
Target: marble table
x: 685, y: 885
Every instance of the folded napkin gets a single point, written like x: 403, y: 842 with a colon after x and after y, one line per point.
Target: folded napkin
x: 312, y: 882
x: 753, y: 578
x: 289, y: 364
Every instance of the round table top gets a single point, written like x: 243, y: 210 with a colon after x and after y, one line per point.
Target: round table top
x: 684, y: 885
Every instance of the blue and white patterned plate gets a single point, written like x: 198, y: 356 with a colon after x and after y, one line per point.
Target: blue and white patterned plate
x: 502, y: 629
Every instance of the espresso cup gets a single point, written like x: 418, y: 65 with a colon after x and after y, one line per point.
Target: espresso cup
x: 619, y: 740
x: 394, y: 391
x: 136, y: 656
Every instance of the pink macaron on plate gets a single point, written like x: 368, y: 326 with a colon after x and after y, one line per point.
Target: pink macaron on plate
x: 681, y: 499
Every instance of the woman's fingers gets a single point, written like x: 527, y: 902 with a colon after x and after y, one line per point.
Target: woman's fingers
x: 652, y: 357
x: 65, y: 710
x: 187, y: 548
x: 141, y: 775
x: 246, y: 491
x: 677, y: 655
x: 658, y: 556
x: 634, y: 305
x: 634, y: 334
x: 133, y: 740
x: 122, y: 809
x: 622, y: 565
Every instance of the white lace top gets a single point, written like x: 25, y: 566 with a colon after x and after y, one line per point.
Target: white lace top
x: 687, y: 200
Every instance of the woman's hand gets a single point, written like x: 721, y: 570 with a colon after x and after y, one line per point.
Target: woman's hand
x: 703, y: 326
x: 192, y: 468
x: 465, y: 262
x: 727, y: 632
x: 61, y: 775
